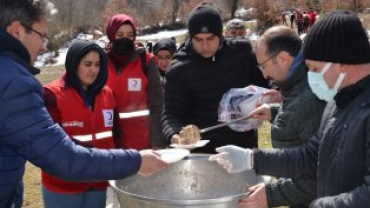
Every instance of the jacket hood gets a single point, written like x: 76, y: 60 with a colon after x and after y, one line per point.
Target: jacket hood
x: 74, y: 55
x: 116, y: 22
x: 14, y: 48
x: 164, y: 44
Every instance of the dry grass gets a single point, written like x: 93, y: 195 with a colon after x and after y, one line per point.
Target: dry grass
x: 32, y: 192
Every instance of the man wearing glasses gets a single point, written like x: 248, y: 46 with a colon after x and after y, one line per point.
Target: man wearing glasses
x: 295, y: 120
x: 27, y: 131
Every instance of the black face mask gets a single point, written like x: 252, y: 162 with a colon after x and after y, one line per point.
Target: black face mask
x: 123, y: 46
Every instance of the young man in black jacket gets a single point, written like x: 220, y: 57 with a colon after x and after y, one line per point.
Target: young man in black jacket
x: 203, y: 69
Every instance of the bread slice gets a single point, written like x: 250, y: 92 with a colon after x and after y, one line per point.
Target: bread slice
x: 189, y: 135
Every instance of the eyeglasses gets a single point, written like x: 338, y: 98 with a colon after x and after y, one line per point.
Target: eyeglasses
x: 43, y: 37
x: 262, y: 65
x: 164, y: 58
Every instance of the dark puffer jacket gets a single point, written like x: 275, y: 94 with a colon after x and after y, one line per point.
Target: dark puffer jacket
x: 295, y: 122
x: 27, y: 132
x: 195, y: 86
x: 338, y: 156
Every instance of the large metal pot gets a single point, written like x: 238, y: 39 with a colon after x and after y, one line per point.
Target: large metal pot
x: 192, y: 182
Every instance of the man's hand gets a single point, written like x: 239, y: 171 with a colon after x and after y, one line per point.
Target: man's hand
x: 262, y: 113
x: 234, y: 159
x: 151, y: 163
x: 273, y: 96
x: 257, y: 199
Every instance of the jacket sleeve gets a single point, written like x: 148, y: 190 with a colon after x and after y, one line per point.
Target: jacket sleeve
x: 289, y: 192
x: 155, y: 103
x: 31, y: 133
x: 176, y: 106
x: 117, y: 137
x: 308, y: 121
x: 305, y: 123
x: 51, y: 105
x: 298, y: 162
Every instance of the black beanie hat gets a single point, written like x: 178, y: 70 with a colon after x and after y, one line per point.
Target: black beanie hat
x: 338, y: 37
x: 205, y: 18
x: 164, y: 44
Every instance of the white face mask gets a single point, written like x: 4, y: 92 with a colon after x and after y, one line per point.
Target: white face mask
x: 319, y: 86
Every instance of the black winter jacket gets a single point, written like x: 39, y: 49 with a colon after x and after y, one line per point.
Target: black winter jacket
x: 297, y: 119
x: 195, y: 85
x: 338, y: 156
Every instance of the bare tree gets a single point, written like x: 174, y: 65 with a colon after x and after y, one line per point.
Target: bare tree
x: 175, y: 8
x: 233, y: 6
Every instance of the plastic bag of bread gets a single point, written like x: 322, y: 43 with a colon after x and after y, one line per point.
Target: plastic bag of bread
x: 239, y: 102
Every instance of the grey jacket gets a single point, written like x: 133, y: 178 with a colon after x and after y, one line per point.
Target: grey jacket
x: 294, y: 123
x: 338, y: 156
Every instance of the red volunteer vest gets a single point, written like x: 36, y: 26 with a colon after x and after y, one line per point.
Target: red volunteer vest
x: 130, y: 91
x: 88, y: 128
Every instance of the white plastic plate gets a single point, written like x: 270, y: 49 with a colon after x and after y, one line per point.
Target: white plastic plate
x: 173, y: 155
x: 200, y: 143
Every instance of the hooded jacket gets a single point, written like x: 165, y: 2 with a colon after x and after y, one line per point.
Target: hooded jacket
x: 195, y: 85
x: 27, y: 132
x: 89, y: 121
x: 166, y: 44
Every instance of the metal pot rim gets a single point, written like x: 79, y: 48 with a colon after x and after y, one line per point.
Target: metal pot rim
x: 112, y: 183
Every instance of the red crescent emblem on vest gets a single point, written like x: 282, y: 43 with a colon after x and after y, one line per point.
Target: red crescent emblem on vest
x: 110, y: 116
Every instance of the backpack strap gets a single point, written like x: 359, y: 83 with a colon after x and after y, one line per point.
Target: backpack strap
x: 142, y: 54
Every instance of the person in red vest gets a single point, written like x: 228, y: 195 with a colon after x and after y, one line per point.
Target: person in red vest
x: 312, y: 17
x: 84, y: 107
x: 134, y: 79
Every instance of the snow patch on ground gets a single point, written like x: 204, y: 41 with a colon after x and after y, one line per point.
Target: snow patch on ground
x: 102, y: 42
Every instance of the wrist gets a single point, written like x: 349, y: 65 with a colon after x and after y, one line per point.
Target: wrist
x: 249, y: 159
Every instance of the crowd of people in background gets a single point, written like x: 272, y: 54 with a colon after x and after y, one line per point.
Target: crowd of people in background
x: 301, y: 20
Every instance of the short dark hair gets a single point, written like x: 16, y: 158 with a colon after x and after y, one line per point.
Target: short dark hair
x: 281, y: 38
x: 25, y: 11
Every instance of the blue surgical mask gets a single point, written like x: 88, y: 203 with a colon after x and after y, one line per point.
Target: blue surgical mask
x: 319, y: 86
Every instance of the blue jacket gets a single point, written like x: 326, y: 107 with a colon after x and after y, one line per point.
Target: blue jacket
x: 27, y: 132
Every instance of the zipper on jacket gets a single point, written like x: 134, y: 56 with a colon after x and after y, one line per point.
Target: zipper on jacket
x: 92, y: 127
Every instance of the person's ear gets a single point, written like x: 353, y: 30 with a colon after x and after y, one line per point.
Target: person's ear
x: 14, y: 29
x: 284, y: 58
